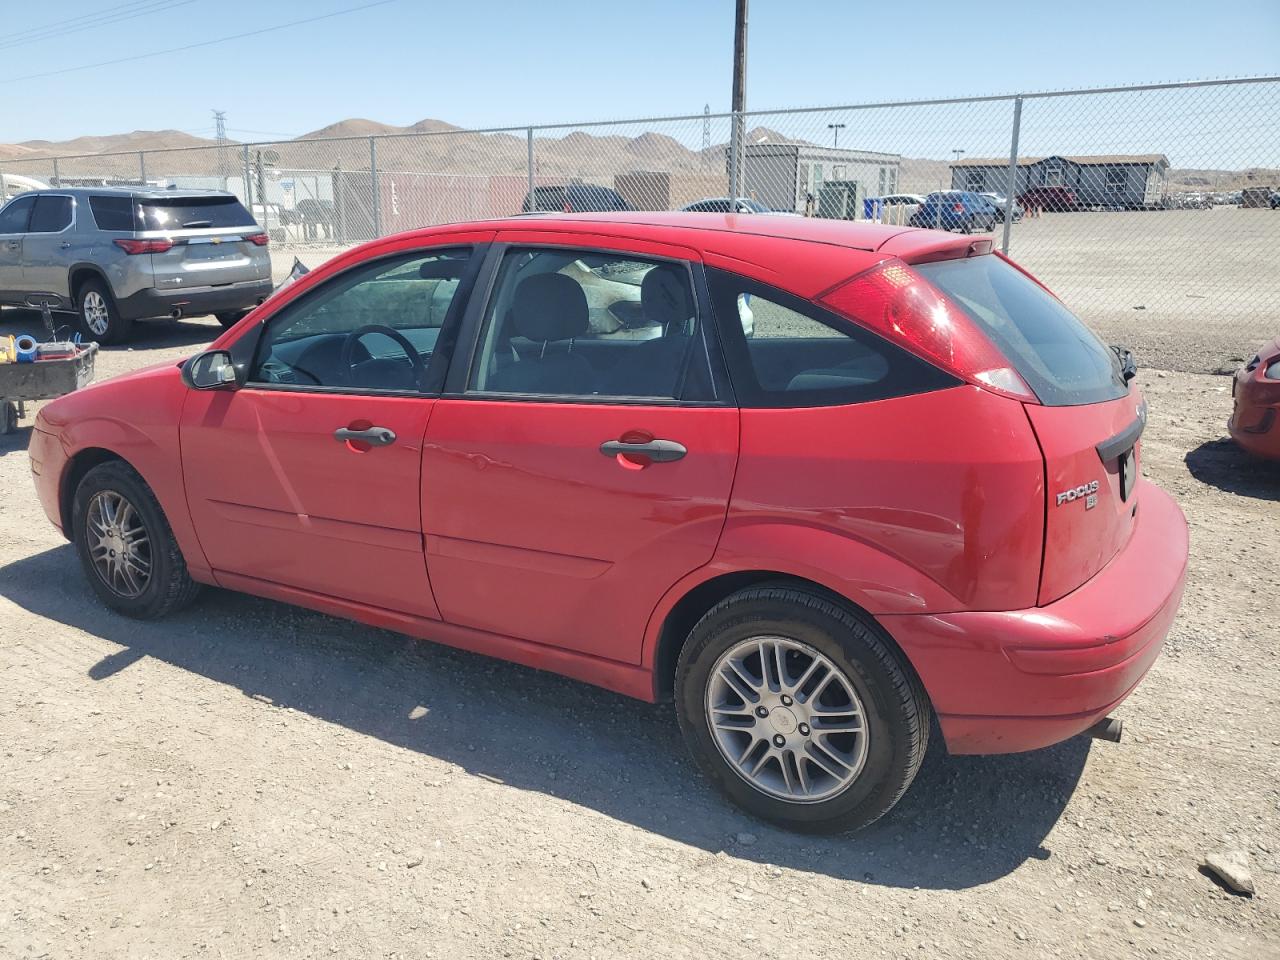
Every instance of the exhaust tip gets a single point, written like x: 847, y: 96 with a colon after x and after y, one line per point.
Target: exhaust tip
x: 1109, y: 729
x: 175, y: 313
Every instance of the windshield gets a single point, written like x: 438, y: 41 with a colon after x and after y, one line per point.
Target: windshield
x: 1060, y: 358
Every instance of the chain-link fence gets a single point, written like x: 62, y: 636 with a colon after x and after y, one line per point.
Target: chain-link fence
x: 1148, y: 209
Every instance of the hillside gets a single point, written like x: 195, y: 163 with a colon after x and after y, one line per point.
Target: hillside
x: 559, y: 153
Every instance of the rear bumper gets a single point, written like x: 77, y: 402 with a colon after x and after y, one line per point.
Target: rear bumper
x: 1004, y: 682
x: 193, y: 301
x: 1255, y: 417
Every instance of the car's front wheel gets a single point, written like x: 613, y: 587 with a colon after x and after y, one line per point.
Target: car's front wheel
x: 126, y: 548
x: 98, y: 314
x: 800, y: 710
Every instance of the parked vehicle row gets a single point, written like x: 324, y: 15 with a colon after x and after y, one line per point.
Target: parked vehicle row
x: 114, y: 256
x: 914, y: 494
x: 960, y: 210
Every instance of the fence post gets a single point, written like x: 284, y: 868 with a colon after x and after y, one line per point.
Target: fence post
x: 57, y: 180
x: 340, y: 202
x: 737, y: 135
x: 248, y: 190
x: 142, y: 167
x: 529, y: 197
x: 373, y: 183
x: 1011, y: 188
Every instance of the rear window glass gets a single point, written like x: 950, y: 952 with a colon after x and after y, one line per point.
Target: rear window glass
x: 1060, y: 358
x: 52, y: 214
x: 193, y: 212
x: 112, y: 213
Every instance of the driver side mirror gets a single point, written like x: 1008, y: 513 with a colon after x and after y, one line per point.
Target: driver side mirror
x: 211, y: 370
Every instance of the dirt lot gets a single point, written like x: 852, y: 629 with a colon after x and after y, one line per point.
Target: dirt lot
x: 248, y: 779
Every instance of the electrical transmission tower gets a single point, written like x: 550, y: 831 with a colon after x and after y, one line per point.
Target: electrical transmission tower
x: 220, y: 135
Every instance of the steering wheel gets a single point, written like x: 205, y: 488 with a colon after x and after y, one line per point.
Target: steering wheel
x: 412, y: 355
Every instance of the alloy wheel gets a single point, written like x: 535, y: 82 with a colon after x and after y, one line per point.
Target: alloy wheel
x: 96, y: 315
x: 787, y: 719
x: 119, y: 545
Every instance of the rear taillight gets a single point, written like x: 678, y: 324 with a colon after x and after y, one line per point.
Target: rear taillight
x: 894, y: 301
x: 261, y: 239
x: 958, y: 207
x: 144, y: 246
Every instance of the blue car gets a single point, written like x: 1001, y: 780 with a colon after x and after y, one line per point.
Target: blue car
x: 956, y: 210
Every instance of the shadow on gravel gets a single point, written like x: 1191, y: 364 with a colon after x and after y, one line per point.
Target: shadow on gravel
x: 147, y: 334
x: 966, y: 821
x: 1222, y: 464
x: 16, y: 441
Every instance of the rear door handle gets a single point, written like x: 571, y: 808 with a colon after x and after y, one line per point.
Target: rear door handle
x: 374, y: 436
x: 659, y: 451
x: 66, y: 244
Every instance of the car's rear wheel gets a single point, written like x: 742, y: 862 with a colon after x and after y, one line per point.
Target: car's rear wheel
x: 800, y: 710
x: 98, y: 315
x: 125, y: 545
x: 231, y: 318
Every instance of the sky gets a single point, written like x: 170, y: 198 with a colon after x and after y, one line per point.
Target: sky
x: 515, y: 62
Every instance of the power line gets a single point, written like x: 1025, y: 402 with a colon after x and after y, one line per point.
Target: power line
x: 202, y: 43
x: 147, y: 8
x: 84, y: 16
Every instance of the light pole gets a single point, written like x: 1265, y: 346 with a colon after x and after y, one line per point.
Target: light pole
x: 957, y: 151
x: 835, y: 129
x: 738, y: 104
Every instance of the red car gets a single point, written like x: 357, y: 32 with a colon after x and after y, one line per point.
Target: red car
x: 817, y: 481
x: 1056, y: 199
x: 1255, y: 419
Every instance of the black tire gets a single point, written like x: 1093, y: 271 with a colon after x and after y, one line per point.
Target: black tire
x: 895, y: 705
x: 169, y: 587
x: 94, y: 297
x: 231, y: 318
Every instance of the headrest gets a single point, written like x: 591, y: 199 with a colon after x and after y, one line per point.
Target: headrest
x: 665, y: 295
x: 550, y: 306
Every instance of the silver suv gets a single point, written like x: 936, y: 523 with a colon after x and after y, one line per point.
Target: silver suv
x: 119, y: 255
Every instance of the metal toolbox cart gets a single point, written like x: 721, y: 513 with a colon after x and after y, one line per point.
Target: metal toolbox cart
x: 41, y: 380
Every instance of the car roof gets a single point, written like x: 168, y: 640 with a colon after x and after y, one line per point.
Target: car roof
x: 803, y: 255
x: 681, y: 227
x: 144, y: 193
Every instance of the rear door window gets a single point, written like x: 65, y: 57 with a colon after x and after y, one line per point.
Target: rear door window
x: 1057, y: 355
x: 112, y: 213
x: 591, y: 325
x: 788, y: 352
x: 193, y: 212
x: 51, y: 215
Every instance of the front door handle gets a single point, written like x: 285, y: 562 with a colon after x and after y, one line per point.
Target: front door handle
x: 12, y: 244
x: 658, y: 451
x: 374, y: 436
x: 66, y: 244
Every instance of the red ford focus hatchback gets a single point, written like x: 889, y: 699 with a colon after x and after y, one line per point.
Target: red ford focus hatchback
x: 819, y: 482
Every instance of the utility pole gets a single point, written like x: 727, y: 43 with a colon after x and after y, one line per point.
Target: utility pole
x: 835, y: 129
x: 738, y: 135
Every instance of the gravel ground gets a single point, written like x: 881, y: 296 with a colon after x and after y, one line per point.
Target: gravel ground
x: 249, y: 779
